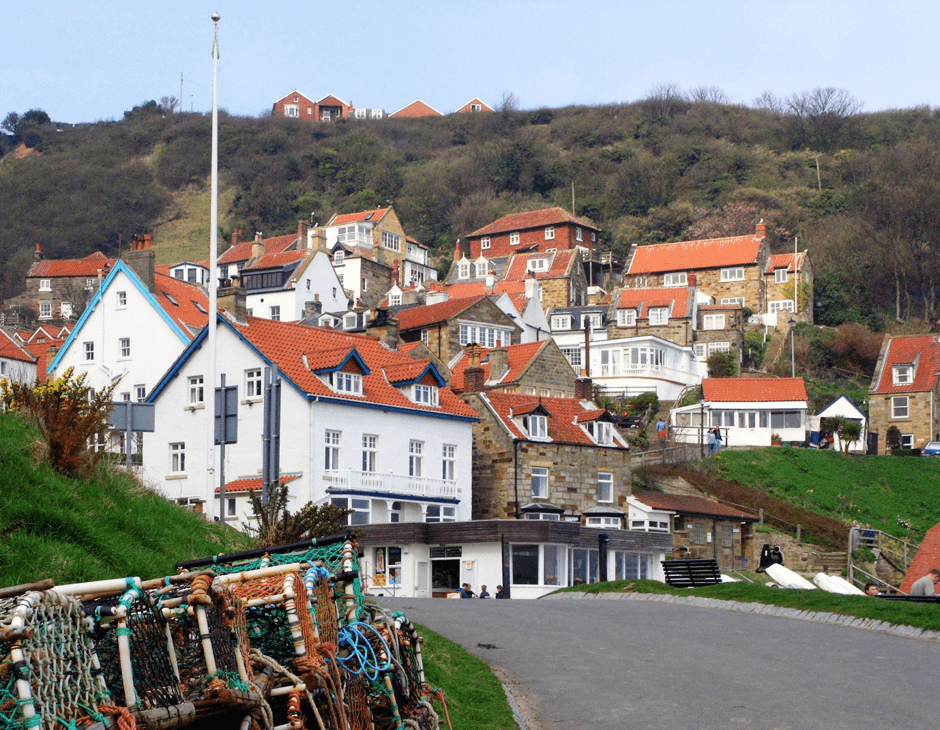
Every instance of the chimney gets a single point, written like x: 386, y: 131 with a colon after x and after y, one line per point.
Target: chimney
x: 436, y: 297
x: 313, y: 309
x: 37, y: 254
x: 457, y: 254
x: 761, y: 232
x: 692, y: 279
x: 384, y: 328
x: 301, y: 229
x: 232, y: 300
x: 257, y: 247
x: 141, y: 260
x: 236, y: 237
x: 473, y: 380
x: 490, y: 279
x: 584, y: 389
x: 532, y: 286
x: 316, y: 239
x: 394, y: 275
x: 499, y: 363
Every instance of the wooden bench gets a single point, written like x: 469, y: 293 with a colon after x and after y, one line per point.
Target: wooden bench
x: 691, y: 572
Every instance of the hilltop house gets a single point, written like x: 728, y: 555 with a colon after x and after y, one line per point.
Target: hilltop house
x: 298, y: 106
x: 550, y: 229
x: 475, y: 105
x: 905, y: 391
x: 415, y: 110
x: 786, y: 278
x: 370, y: 428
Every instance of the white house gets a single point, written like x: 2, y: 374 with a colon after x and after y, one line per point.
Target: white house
x: 843, y: 407
x: 193, y: 272
x: 135, y: 326
x: 16, y: 363
x: 749, y: 412
x: 280, y: 285
x: 361, y: 425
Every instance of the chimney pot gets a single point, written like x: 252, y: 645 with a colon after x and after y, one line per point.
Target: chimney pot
x: 761, y: 231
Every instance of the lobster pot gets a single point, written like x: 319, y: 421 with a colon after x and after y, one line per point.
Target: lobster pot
x: 47, y: 663
x: 137, y: 662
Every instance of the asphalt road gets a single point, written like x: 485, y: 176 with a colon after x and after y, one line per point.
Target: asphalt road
x: 631, y: 664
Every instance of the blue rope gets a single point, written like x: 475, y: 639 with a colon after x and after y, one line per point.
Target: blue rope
x: 352, y: 639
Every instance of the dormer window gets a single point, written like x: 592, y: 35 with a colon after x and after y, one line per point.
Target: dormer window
x: 485, y: 242
x: 463, y: 271
x: 780, y: 276
x: 678, y: 279
x: 902, y: 374
x: 339, y: 256
x: 594, y: 319
x: 536, y: 426
x: 426, y: 394
x: 514, y: 239
x: 659, y: 316
x: 549, y: 233
x: 561, y: 322
x: 394, y: 300
x: 349, y: 321
x: 537, y: 265
x: 603, y: 433
x: 626, y: 317
x: 346, y: 382
x: 481, y: 267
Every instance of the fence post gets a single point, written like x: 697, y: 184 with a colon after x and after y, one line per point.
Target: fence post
x: 798, y: 530
x: 761, y: 513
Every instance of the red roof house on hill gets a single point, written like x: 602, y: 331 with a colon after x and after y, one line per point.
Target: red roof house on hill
x: 416, y: 109
x: 538, y: 230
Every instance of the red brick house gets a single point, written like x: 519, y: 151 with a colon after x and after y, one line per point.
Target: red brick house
x: 416, y: 109
x: 298, y: 106
x: 531, y: 368
x: 905, y: 391
x: 473, y: 106
x: 538, y: 230
x: 927, y: 558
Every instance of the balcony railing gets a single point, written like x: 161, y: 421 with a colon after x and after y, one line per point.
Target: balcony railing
x: 390, y: 483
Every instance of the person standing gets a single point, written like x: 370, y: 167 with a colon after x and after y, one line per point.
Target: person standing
x: 717, y: 439
x: 500, y: 593
x: 926, y: 586
x: 662, y: 431
x: 710, y: 440
x: 483, y: 592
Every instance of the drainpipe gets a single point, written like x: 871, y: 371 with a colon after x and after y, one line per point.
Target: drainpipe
x: 515, y: 480
x: 602, y: 541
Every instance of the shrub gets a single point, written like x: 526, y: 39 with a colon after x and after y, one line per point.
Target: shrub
x: 893, y: 438
x: 277, y: 526
x: 69, y: 415
x: 723, y: 364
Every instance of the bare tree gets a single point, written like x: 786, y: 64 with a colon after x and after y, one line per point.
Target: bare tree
x: 713, y: 94
x: 771, y: 102
x: 664, y: 100
x: 821, y: 115
x: 169, y: 103
x: 509, y: 102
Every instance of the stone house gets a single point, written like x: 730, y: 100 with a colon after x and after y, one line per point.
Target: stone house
x: 241, y: 252
x: 905, y: 391
x: 730, y: 270
x: 532, y: 368
x: 542, y: 458
x: 668, y: 313
x: 701, y: 528
x: 378, y: 232
x: 718, y: 328
x: 560, y: 275
x: 447, y: 327
x: 786, y: 278
x: 545, y: 230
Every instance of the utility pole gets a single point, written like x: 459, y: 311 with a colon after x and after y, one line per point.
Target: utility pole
x: 213, y: 265
x: 181, y: 92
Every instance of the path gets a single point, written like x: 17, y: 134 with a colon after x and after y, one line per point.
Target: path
x: 621, y: 665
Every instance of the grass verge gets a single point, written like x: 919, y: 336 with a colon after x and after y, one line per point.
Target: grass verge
x: 920, y: 615
x: 475, y: 697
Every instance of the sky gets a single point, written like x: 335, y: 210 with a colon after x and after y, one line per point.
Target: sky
x: 95, y: 60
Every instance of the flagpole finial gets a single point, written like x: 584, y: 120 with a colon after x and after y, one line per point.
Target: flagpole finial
x: 216, y: 17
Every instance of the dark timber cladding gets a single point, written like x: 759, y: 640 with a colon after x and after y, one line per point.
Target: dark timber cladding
x: 513, y: 531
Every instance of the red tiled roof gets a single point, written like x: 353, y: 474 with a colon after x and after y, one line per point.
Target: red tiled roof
x: 753, y: 390
x: 591, y: 415
x: 415, y: 109
x: 242, y: 251
x: 682, y: 503
x: 561, y: 422
x: 518, y: 357
x: 709, y: 253
x: 926, y: 559
x: 255, y: 483
x: 286, y: 342
x: 478, y: 288
x: 277, y: 260
x: 560, y: 263
x: 406, y: 371
x: 923, y: 351
x: 679, y: 298
x: 88, y: 266
x: 41, y: 352
x: 531, y: 219
x: 182, y: 307
x: 406, y: 347
x: 325, y: 359
x: 10, y: 350
x: 343, y: 218
x: 409, y: 319
x: 782, y: 261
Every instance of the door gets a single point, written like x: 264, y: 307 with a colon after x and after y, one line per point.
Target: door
x: 422, y: 582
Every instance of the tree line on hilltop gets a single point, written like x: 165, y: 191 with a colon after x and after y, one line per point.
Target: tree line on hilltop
x: 860, y: 190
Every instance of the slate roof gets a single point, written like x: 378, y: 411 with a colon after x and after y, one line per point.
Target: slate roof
x: 679, y: 299
x: 87, y: 266
x: 561, y: 421
x: 708, y: 253
x: 409, y: 319
x: 923, y: 351
x: 344, y: 218
x: 690, y: 505
x: 756, y: 390
x: 286, y: 343
x: 518, y: 357
x: 531, y: 219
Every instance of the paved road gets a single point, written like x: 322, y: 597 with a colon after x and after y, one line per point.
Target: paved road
x: 632, y: 664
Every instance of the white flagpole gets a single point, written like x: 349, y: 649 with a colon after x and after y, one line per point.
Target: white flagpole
x: 209, y: 381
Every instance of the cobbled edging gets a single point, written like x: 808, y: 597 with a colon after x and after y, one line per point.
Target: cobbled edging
x: 761, y: 608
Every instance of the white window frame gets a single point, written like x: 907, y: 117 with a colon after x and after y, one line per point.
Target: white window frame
x: 197, y: 390
x: 678, y: 278
x: 603, y: 433
x: 549, y: 233
x: 391, y: 241
x: 65, y: 309
x: 484, y: 243
x: 463, y: 269
x: 394, y: 300
x: 659, y: 316
x: 140, y: 393
x: 121, y: 299
x: 902, y: 374
x: 713, y: 321
x: 292, y: 111
x: 699, y: 349
x: 900, y: 407
x: 481, y: 267
x: 610, y: 523
x: 714, y: 347
x: 90, y: 283
x: 45, y: 285
x: 332, y: 450
x: 539, y: 482
x: 594, y: 318
x: 449, y: 462
x: 540, y: 264
x: 435, y: 513
x: 780, y: 276
x: 605, y: 486
x: 370, y: 453
x: 537, y: 427
x: 735, y: 273
x: 275, y: 312
x: 626, y: 317
x: 45, y: 310
x: 254, y: 384
x: 577, y: 233
x: 738, y: 301
x: 415, y: 458
x: 426, y: 394
x: 89, y: 351
x: 124, y: 345
x: 514, y: 238
x: 573, y: 355
x: 343, y: 382
x: 561, y: 322
x: 907, y: 441
x: 178, y: 458
x: 782, y: 305
x: 425, y: 336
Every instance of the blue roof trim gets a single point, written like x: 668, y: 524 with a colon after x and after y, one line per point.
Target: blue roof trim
x: 392, y: 495
x: 437, y: 376
x: 120, y: 266
x: 353, y: 355
x: 392, y: 409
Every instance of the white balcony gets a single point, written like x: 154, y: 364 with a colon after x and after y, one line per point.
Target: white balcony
x: 397, y: 484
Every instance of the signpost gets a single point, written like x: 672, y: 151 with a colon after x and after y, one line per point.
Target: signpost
x: 226, y: 432
x: 129, y: 417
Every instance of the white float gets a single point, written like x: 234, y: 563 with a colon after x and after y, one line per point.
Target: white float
x: 786, y: 578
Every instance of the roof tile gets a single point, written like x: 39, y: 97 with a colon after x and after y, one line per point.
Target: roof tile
x: 920, y: 350
x: 753, y: 390
x: 531, y: 219
x: 709, y: 253
x: 561, y: 423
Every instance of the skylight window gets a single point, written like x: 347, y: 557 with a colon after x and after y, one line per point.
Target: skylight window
x: 172, y: 300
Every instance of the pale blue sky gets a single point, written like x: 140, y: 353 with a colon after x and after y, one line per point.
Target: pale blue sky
x: 95, y: 60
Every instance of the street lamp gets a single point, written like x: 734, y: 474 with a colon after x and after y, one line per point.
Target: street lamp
x: 792, y: 355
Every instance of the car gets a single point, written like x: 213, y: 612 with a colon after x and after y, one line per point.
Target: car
x: 931, y: 449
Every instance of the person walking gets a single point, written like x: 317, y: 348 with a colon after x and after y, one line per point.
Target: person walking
x: 662, y: 431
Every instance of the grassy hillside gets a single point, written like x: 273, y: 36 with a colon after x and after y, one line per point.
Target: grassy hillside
x: 898, y: 495
x: 105, y: 527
